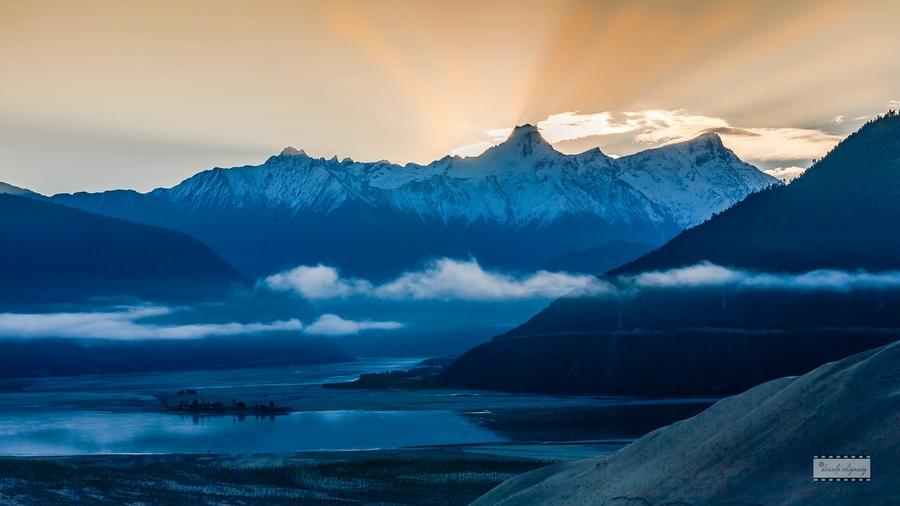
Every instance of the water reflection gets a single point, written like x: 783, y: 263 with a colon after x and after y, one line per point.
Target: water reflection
x: 63, y: 416
x: 199, y: 419
x: 86, y: 432
x: 613, y: 422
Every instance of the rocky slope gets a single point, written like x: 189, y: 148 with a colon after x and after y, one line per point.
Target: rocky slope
x: 753, y: 448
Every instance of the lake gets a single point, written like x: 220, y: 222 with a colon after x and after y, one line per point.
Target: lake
x: 121, y: 414
x: 93, y: 432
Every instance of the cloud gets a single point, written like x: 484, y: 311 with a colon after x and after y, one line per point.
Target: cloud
x: 334, y: 325
x: 785, y: 173
x: 707, y: 274
x: 316, y: 282
x: 826, y: 280
x: 466, y: 280
x: 124, y: 324
x: 704, y: 274
x: 446, y: 279
x: 572, y: 125
x: 773, y: 144
x: 656, y: 127
x: 473, y: 149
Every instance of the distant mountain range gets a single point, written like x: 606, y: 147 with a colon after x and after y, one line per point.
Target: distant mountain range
x: 55, y: 253
x: 519, y: 205
x: 724, y: 339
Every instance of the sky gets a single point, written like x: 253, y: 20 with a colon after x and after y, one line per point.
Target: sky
x: 99, y: 94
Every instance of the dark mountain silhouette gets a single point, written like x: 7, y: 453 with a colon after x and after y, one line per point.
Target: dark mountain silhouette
x: 51, y: 252
x: 718, y: 340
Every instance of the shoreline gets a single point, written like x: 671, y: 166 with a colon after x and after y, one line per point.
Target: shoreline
x: 482, y: 448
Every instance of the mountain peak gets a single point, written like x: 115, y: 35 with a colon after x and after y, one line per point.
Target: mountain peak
x: 524, y: 140
x: 524, y: 128
x: 292, y: 151
x: 709, y: 138
x: 526, y: 132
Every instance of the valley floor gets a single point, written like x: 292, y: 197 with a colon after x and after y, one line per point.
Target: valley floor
x: 108, y: 439
x: 434, y: 475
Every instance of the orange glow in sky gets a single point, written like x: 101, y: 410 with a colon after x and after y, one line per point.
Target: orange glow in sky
x: 104, y: 94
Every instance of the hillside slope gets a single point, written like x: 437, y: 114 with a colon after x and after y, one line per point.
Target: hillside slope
x: 52, y: 252
x: 754, y: 448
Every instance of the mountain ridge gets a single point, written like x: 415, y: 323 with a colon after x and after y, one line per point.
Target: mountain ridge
x: 337, y: 181
x: 829, y: 206
x: 55, y: 253
x: 8, y: 189
x: 516, y: 206
x: 697, y: 338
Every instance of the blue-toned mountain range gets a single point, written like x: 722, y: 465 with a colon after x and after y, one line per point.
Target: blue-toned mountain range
x: 520, y: 205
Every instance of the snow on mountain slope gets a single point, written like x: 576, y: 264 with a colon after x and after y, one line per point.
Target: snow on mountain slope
x: 517, y: 206
x: 695, y: 179
x: 522, y: 181
x: 753, y: 448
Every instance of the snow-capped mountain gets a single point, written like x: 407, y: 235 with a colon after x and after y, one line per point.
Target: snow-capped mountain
x: 517, y: 205
x: 693, y: 179
x: 522, y: 181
